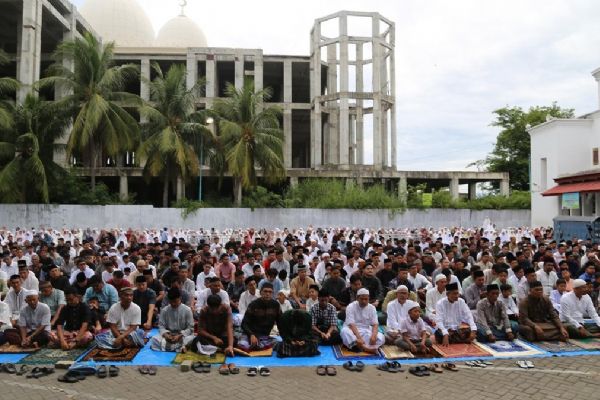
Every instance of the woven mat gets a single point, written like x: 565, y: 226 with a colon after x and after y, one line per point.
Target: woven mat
x: 52, y: 356
x: 217, y: 358
x: 341, y: 352
x: 460, y: 350
x: 557, y: 346
x: 390, y: 352
x: 587, y: 343
x: 503, y: 348
x: 98, y: 354
x: 14, y: 349
x: 258, y: 353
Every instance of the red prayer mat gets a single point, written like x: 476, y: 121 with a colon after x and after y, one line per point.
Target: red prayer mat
x: 14, y: 349
x: 98, y: 354
x: 460, y: 350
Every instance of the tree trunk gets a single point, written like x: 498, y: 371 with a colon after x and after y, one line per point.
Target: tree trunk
x: 166, y: 192
x: 93, y: 157
x: 237, y: 192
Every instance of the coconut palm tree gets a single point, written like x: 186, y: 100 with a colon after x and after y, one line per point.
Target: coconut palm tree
x: 251, y: 136
x: 101, y: 123
x: 173, y: 132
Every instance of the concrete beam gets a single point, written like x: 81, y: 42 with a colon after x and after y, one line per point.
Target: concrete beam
x: 239, y: 71
x: 287, y: 138
x: 29, y: 46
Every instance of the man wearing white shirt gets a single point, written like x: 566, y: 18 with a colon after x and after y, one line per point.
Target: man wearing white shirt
x: 248, y: 296
x: 575, y: 306
x: 361, y: 329
x: 435, y: 294
x: 454, y: 320
x: 15, y: 298
x: 547, y: 276
x: 8, y: 268
x: 397, y: 310
x: 81, y: 267
x: 321, y: 269
x: 28, y: 279
x: 208, y: 272
x: 214, y: 287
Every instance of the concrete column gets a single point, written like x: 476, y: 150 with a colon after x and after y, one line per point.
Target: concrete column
x: 293, y: 181
x: 287, y: 81
x: 504, y: 187
x: 30, y: 46
x: 403, y: 189
x: 344, y: 123
x: 331, y: 135
x: 597, y: 201
x: 123, y: 187
x: 315, y: 117
x: 394, y: 138
x: 472, y: 190
x: 349, y: 182
x: 352, y: 138
x: 377, y: 111
x: 258, y: 73
x: 192, y: 70
x: 239, y: 71
x: 454, y: 189
x: 384, y: 113
x: 360, y: 182
x: 287, y: 137
x: 211, y: 80
x: 145, y: 75
x: 359, y: 106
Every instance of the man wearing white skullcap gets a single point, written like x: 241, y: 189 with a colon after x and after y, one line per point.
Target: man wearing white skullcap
x: 361, y: 328
x: 574, y: 307
x: 397, y: 311
x: 34, y: 321
x: 435, y: 294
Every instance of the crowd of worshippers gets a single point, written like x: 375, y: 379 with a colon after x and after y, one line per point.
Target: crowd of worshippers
x: 310, y: 289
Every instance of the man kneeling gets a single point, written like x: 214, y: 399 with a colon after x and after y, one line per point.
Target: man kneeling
x: 361, y: 327
x: 124, y: 319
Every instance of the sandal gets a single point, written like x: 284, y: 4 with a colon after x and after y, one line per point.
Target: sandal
x: 397, y: 366
x: 385, y: 367
x: 22, y: 370
x: 66, y: 378
x: 77, y: 375
x: 252, y: 371
x: 321, y: 370
x: 223, y: 370
x: 529, y: 364
x: 143, y: 370
x: 35, y: 373
x: 206, y: 368
x: 9, y: 368
x: 360, y: 366
x: 233, y: 370
x: 152, y: 370
x: 435, y: 368
x: 102, y: 372
x: 416, y: 371
x: 197, y: 367
x: 113, y: 371
x: 349, y: 366
x: 264, y: 371
x: 450, y: 367
x: 424, y: 370
x: 331, y: 371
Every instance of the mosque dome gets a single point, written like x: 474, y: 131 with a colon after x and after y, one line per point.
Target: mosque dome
x: 123, y: 21
x: 180, y: 32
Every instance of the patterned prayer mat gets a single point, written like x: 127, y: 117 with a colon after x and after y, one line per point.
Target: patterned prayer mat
x: 460, y: 350
x: 557, y: 346
x: 503, y: 348
x: 587, y: 343
x: 390, y: 352
x: 257, y: 353
x: 51, y: 356
x: 98, y: 354
x: 14, y: 349
x: 217, y: 358
x: 341, y: 352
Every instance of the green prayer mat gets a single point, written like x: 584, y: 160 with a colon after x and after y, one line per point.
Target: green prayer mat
x: 52, y: 356
x: 217, y: 358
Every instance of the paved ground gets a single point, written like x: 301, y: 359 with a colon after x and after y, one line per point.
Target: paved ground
x: 553, y: 378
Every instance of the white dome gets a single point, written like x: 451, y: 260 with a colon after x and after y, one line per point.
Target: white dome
x: 123, y: 21
x: 180, y: 32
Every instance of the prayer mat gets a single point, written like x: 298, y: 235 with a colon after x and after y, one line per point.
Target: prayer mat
x: 14, y: 349
x: 587, y: 343
x: 258, y: 353
x: 217, y: 358
x: 341, y: 352
x: 460, y: 350
x: 391, y: 352
x: 51, y: 356
x: 556, y: 346
x: 98, y: 354
x: 504, y: 348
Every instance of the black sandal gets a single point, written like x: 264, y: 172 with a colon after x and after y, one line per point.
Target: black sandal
x: 102, y: 372
x: 22, y: 370
x: 113, y: 371
x: 197, y: 367
x: 252, y: 371
x: 321, y: 370
x: 9, y: 368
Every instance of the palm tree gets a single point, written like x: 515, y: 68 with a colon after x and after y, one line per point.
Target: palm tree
x: 251, y: 136
x: 7, y: 86
x: 101, y: 123
x: 173, y: 133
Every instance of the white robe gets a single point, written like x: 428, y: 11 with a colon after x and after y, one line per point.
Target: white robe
x: 363, y: 318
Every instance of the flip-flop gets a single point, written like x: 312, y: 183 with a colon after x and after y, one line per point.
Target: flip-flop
x: 77, y: 375
x: 416, y: 371
x: 485, y: 362
x: 264, y: 371
x: 252, y: 371
x: 397, y: 366
x: 113, y: 371
x: 424, y: 370
x: 197, y: 367
x: 529, y: 364
x: 223, y: 370
x: 35, y: 373
x: 522, y: 364
x: 66, y: 378
x: 360, y: 366
x: 321, y: 370
x: 9, y: 368
x: 22, y: 370
x: 143, y: 370
x: 233, y: 370
x: 349, y: 366
x: 47, y: 371
x: 470, y: 364
x: 102, y: 372
x: 152, y: 370
x: 331, y: 371
x: 450, y: 367
x: 435, y: 368
x: 206, y: 367
x: 385, y: 367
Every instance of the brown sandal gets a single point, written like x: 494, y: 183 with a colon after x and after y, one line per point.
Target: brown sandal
x: 224, y: 369
x: 450, y: 367
x: 435, y: 368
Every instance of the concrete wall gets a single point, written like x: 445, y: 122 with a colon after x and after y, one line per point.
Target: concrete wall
x: 124, y: 216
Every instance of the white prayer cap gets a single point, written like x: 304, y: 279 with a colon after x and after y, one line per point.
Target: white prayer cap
x: 325, y: 255
x: 402, y: 288
x: 578, y: 283
x: 362, y: 292
x: 34, y: 292
x: 412, y: 304
x: 439, y: 277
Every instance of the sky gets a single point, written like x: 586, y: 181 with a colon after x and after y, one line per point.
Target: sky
x: 456, y: 61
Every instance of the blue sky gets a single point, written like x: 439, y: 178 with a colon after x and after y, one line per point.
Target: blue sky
x: 456, y: 61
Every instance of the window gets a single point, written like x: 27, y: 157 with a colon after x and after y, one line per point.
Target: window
x: 595, y: 156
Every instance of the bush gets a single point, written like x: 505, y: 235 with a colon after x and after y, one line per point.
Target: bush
x: 72, y: 189
x: 260, y: 197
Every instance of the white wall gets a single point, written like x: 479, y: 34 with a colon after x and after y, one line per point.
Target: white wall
x: 123, y: 216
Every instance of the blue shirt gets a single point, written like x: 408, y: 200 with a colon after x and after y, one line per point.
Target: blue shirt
x: 586, y: 277
x: 277, y: 285
x: 106, y: 297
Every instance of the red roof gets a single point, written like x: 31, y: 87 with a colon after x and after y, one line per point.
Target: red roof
x: 581, y: 187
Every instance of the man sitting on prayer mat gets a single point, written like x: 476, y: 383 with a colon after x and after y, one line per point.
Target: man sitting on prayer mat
x: 492, y: 320
x: 435, y: 294
x: 414, y: 334
x: 324, y: 320
x: 53, y: 298
x: 295, y: 329
x: 175, y: 325
x: 454, y: 321
x: 260, y: 317
x: 145, y: 298
x: 574, y: 307
x: 34, y: 322
x: 72, y: 324
x: 124, y: 319
x: 215, y: 327
x: 361, y: 327
x: 397, y: 310
x: 538, y: 320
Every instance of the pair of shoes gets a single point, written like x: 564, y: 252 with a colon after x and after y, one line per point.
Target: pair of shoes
x: 450, y: 367
x: 113, y: 371
x: 8, y: 368
x: 262, y: 371
x: 525, y: 364
x: 147, y: 370
x: 436, y: 368
x: 477, y: 363
x: 390, y: 366
x: 71, y: 377
x: 201, y: 367
x: 419, y: 370
x: 358, y: 367
x: 39, y: 372
x: 329, y: 370
x: 226, y: 369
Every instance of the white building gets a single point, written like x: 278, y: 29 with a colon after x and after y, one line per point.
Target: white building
x: 565, y: 167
